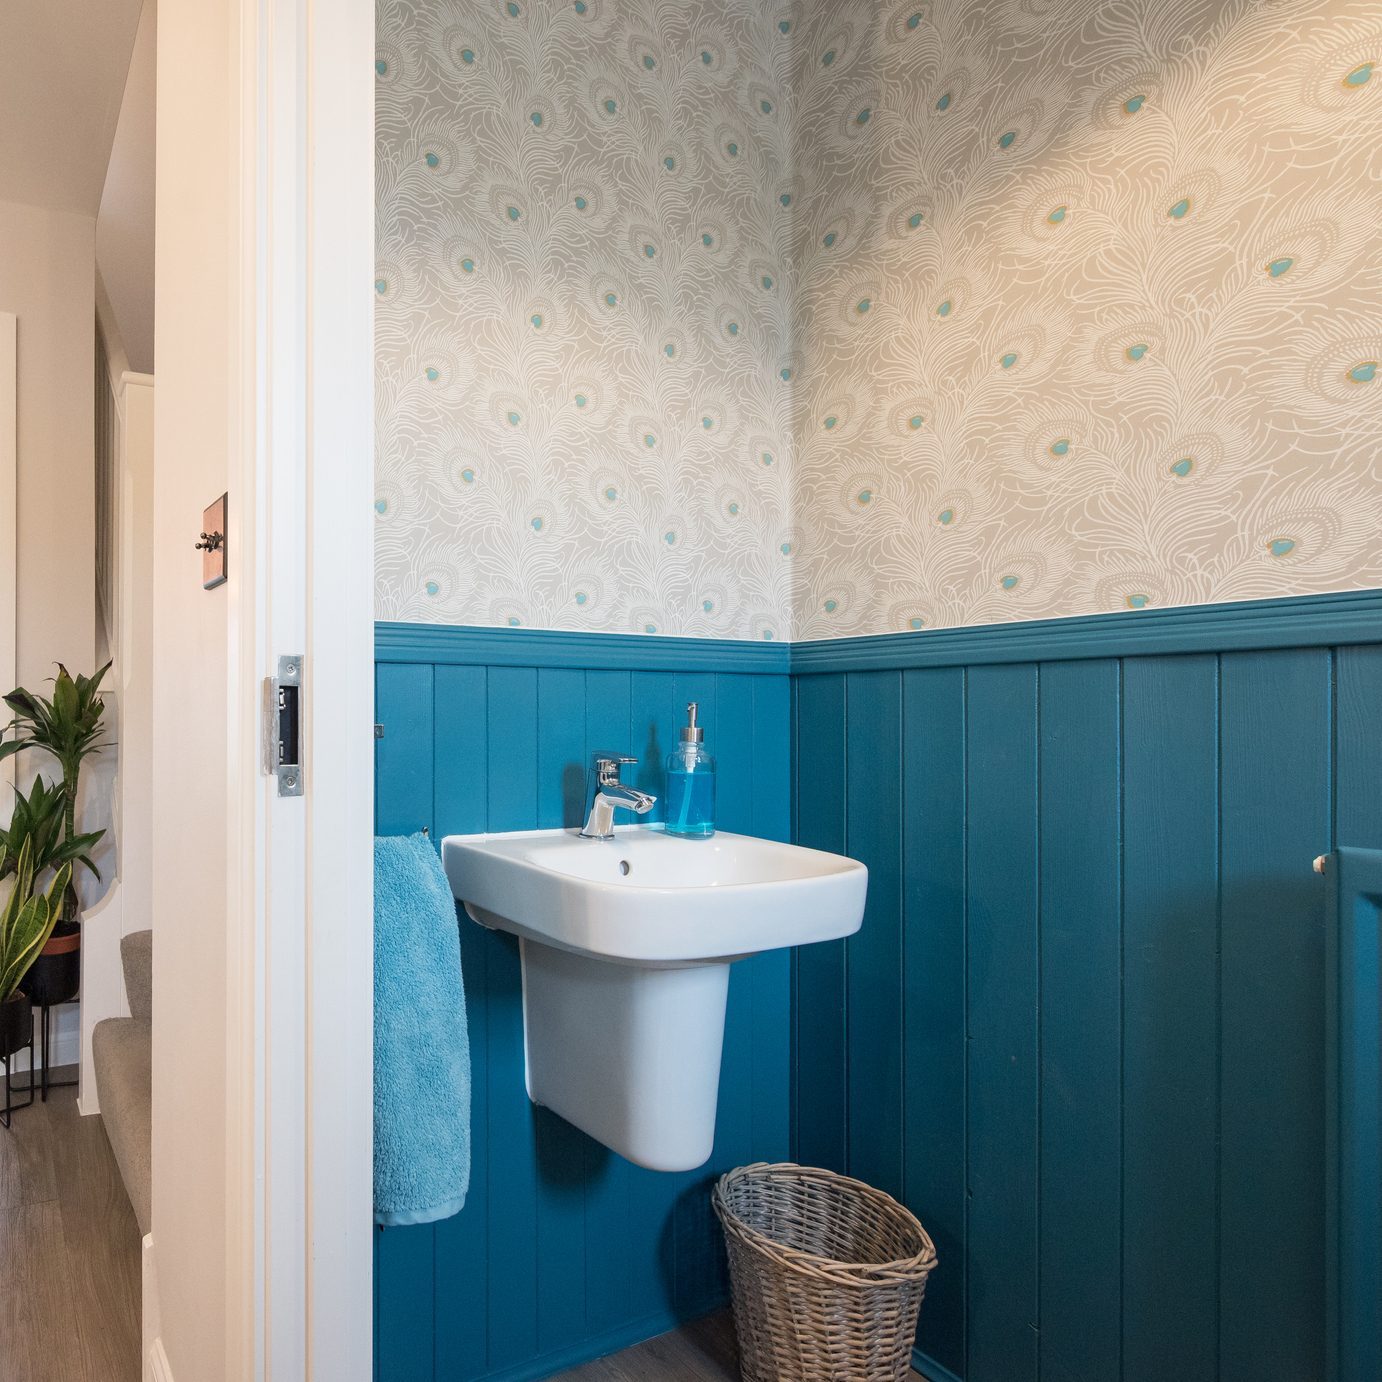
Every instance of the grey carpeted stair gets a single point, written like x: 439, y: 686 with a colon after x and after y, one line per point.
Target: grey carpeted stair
x: 137, y: 957
x: 122, y: 1052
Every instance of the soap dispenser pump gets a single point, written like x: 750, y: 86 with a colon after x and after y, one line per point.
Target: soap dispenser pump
x: 691, y: 783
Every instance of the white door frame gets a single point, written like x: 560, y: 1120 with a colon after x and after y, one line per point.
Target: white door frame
x: 300, y: 869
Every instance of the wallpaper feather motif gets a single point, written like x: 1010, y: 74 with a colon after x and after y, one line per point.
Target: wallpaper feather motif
x: 584, y: 313
x: 847, y: 317
x: 1090, y: 305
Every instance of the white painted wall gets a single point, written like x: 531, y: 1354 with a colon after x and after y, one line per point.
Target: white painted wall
x: 197, y: 245
x: 126, y: 775
x: 135, y: 670
x: 47, y: 279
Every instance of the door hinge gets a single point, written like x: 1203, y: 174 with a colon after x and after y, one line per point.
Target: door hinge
x: 283, y: 726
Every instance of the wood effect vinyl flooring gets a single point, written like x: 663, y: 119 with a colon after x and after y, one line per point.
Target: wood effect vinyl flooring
x: 702, y: 1351
x: 69, y: 1250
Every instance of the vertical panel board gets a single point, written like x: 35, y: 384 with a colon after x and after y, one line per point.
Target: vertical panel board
x: 771, y: 973
x: 696, y: 1249
x: 405, y: 1308
x: 1170, y: 1018
x: 513, y: 1183
x: 1080, y: 1191
x: 1353, y: 1113
x: 701, y: 1271
x: 561, y: 1267
x: 404, y: 1257
x: 933, y: 873
x: 1276, y: 818
x: 460, y: 756
x: 652, y: 1195
x: 1356, y: 1265
x: 1358, y: 747
x: 403, y: 757
x: 795, y: 955
x: 608, y: 1253
x: 874, y: 964
x: 1001, y: 985
x: 819, y: 1058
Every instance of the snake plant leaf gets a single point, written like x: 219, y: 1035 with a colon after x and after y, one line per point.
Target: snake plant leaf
x: 27, y: 921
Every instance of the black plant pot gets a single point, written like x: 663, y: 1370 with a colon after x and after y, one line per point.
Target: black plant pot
x: 56, y: 975
x: 16, y: 1024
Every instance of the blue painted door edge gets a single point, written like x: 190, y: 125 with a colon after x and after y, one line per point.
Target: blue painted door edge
x: 1353, y: 1116
x: 1305, y: 621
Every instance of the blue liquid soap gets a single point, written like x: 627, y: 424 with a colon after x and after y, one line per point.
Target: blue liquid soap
x: 691, y: 784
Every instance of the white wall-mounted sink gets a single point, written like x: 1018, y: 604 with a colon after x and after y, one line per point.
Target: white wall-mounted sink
x: 626, y: 947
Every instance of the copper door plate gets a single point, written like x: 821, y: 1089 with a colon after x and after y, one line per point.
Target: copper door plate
x: 213, y: 544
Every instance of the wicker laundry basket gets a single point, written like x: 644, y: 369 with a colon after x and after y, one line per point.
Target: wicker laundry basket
x: 827, y: 1275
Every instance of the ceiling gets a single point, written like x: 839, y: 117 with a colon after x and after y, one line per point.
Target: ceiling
x: 60, y: 100
x: 125, y: 224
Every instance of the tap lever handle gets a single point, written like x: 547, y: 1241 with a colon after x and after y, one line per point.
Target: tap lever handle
x: 607, y: 767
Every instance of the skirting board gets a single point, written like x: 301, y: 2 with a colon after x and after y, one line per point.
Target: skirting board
x: 159, y: 1370
x: 588, y: 1349
x: 66, y: 1040
x: 930, y: 1369
x: 156, y: 1367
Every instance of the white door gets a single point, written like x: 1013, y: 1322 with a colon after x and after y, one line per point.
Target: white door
x: 261, y: 1236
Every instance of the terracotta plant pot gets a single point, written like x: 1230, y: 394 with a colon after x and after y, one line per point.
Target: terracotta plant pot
x: 56, y: 975
x: 16, y: 1024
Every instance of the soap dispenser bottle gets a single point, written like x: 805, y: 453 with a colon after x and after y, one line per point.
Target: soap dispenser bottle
x: 691, y: 783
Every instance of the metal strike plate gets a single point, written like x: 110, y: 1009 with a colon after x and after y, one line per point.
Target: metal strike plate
x: 283, y: 726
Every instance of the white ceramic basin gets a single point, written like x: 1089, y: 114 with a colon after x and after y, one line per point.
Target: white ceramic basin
x: 650, y: 898
x: 626, y: 946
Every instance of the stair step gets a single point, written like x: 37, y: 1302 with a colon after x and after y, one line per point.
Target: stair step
x: 137, y: 958
x: 122, y: 1053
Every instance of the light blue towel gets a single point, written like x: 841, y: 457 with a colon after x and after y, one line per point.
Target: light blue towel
x: 421, y: 1046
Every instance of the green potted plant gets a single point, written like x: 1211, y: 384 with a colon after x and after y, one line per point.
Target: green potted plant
x: 26, y: 922
x: 68, y: 726
x: 40, y: 818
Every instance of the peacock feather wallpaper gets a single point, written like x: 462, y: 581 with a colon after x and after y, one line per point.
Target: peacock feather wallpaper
x: 802, y: 321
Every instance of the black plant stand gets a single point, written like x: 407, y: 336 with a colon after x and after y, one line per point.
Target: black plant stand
x: 45, y: 1034
x: 10, y: 1106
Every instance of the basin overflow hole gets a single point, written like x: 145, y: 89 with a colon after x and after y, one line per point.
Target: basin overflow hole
x: 625, y: 867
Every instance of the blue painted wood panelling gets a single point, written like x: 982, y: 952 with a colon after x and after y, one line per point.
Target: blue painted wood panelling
x: 1353, y: 1111
x: 821, y: 1071
x: 1081, y: 1033
x: 1079, y: 1193
x: 405, y: 1257
x: 1001, y: 1022
x: 934, y: 1041
x: 1170, y: 1077
x: 1106, y: 886
x: 873, y: 965
x: 1275, y: 817
x: 564, y: 1250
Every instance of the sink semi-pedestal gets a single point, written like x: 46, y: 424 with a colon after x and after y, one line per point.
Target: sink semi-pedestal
x: 626, y: 946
